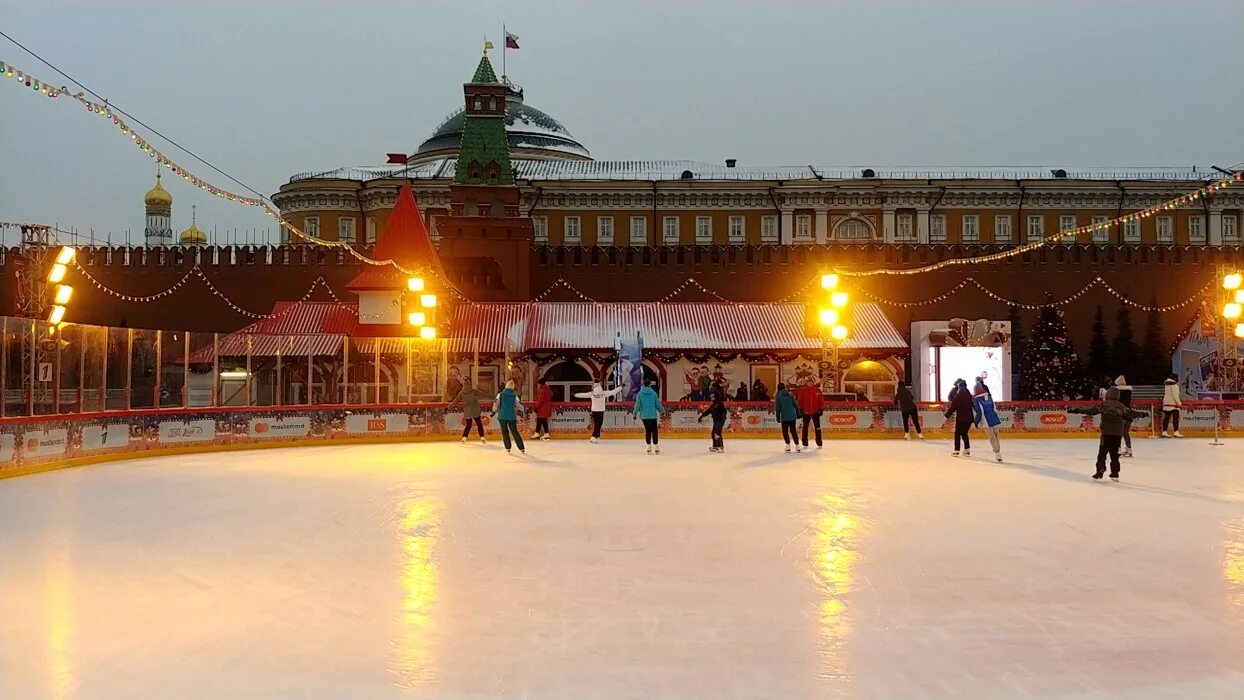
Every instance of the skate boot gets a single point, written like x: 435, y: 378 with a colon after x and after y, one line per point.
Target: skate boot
x: 1098, y: 475
x: 955, y: 453
x: 906, y: 436
x: 464, y: 439
x: 1127, y: 453
x: 544, y: 437
x: 657, y: 450
x: 820, y: 447
x: 522, y: 451
x: 997, y: 456
x: 507, y: 450
x: 788, y: 448
x: 649, y: 449
x: 483, y: 441
x: 535, y: 436
x: 967, y: 453
x: 1178, y: 434
x: 1114, y: 478
x: 920, y: 435
x: 1165, y: 434
x: 798, y: 448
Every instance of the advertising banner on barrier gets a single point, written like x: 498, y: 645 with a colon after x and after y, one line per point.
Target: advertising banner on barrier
x: 371, y: 424
x: 279, y: 427
x: 99, y: 436
x: 1050, y: 419
x: 847, y: 420
x: 573, y: 420
x: 685, y: 420
x: 45, y: 443
x: 1236, y: 420
x: 175, y: 431
x: 933, y: 420
x: 759, y: 420
x: 7, y: 442
x: 1199, y: 418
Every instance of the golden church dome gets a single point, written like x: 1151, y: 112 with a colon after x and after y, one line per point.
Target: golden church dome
x: 157, y: 194
x: 192, y: 235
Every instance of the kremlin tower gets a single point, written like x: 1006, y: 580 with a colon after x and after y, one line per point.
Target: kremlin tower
x: 192, y: 235
x: 159, y: 206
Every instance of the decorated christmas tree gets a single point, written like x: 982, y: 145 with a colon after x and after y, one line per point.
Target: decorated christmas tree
x: 1051, y: 367
x: 1099, y: 366
x: 1019, y: 342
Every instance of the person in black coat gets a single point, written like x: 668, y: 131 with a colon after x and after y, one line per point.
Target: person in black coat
x: 1115, y: 418
x: 741, y: 394
x: 961, y: 409
x: 906, y: 403
x: 718, y: 412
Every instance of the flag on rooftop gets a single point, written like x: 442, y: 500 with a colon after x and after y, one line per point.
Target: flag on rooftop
x: 511, y: 41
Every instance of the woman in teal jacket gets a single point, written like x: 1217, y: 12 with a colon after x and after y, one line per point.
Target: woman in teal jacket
x: 787, y: 411
x: 648, y: 407
x: 506, y: 410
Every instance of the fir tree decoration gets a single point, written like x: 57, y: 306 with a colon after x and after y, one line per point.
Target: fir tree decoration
x: 1155, y: 364
x: 1099, y: 367
x: 1051, y: 367
x: 1124, y: 354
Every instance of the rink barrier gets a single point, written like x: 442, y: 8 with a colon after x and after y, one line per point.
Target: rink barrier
x: 38, y: 443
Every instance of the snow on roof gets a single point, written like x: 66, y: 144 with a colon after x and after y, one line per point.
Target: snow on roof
x: 443, y: 168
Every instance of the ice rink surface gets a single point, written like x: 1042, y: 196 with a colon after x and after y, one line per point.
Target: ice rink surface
x: 870, y: 569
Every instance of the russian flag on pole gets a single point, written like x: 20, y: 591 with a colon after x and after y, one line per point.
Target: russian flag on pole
x: 511, y: 41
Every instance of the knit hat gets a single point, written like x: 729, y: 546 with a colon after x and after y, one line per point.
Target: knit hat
x: 1121, y: 381
x: 979, y: 390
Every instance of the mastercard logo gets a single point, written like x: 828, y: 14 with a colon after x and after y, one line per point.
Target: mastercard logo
x: 843, y: 419
x: 753, y: 420
x: 1053, y: 419
x: 487, y: 420
x: 32, y: 445
x: 261, y: 427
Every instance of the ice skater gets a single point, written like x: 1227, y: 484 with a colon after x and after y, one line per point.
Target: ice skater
x: 506, y: 409
x: 1114, y: 416
x: 469, y: 398
x: 598, y: 396
x: 1125, y: 398
x: 787, y: 411
x: 906, y: 402
x: 811, y: 406
x: 983, y: 408
x: 718, y: 412
x: 1171, y: 405
x: 961, y: 408
x: 544, y: 409
x: 648, y: 407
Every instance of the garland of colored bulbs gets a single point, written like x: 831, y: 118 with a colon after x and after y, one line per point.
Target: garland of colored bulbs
x: 1095, y: 282
x: 103, y: 110
x: 1170, y: 205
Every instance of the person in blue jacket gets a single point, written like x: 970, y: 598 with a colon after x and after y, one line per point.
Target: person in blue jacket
x: 506, y: 409
x: 982, y: 407
x: 786, y: 409
x: 648, y: 407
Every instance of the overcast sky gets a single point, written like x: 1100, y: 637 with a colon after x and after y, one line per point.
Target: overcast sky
x: 266, y: 89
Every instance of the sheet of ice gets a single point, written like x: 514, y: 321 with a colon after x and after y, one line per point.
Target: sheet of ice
x: 868, y: 569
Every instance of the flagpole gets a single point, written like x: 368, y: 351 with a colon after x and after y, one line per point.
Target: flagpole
x: 504, y: 45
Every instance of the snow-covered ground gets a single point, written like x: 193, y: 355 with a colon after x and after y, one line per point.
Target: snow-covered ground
x: 867, y: 569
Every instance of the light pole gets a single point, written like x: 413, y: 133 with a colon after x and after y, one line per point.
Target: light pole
x: 1229, y: 335
x: 834, y: 329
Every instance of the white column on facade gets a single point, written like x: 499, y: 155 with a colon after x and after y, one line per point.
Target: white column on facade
x: 922, y: 226
x: 788, y: 227
x: 887, y: 225
x: 1215, y: 227
x: 821, y: 226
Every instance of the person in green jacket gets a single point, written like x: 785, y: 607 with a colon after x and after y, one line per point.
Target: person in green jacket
x: 506, y: 410
x: 469, y: 398
x: 787, y: 411
x: 648, y: 407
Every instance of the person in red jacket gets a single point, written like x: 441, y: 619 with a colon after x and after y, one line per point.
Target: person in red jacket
x: 544, y: 409
x: 811, y: 405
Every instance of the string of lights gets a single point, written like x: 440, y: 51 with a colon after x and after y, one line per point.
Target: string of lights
x: 1061, y: 236
x: 1095, y: 282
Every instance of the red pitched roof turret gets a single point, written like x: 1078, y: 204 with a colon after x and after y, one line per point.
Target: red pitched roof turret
x: 404, y: 240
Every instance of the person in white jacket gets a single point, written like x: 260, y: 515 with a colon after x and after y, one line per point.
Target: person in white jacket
x: 598, y: 395
x: 1171, y: 404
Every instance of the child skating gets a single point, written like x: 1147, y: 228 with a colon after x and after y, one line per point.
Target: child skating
x: 544, y: 410
x: 648, y: 407
x: 718, y: 412
x: 961, y: 408
x: 1114, y: 415
x: 787, y: 411
x: 983, y: 408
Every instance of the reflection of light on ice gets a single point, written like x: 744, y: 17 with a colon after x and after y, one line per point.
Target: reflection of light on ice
x: 418, y: 535
x: 59, y: 610
x: 1233, y: 566
x: 834, y: 555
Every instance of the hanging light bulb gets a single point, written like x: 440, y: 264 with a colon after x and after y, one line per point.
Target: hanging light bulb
x: 839, y: 332
x: 427, y: 332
